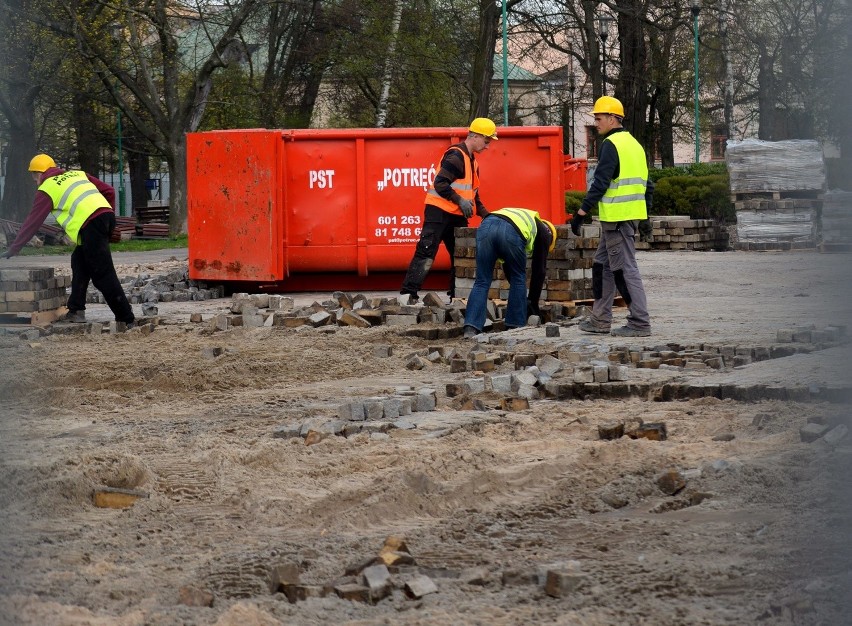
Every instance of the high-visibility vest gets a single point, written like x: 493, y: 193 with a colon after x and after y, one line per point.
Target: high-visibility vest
x: 525, y: 221
x: 466, y: 187
x: 75, y: 199
x: 625, y: 198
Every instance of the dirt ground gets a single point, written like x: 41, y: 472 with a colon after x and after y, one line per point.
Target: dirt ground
x: 760, y: 534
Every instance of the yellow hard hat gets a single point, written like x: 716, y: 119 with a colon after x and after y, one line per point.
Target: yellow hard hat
x: 41, y: 163
x: 484, y: 126
x: 608, y: 104
x: 553, y: 231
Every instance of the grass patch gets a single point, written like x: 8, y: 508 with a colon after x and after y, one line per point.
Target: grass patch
x: 132, y: 245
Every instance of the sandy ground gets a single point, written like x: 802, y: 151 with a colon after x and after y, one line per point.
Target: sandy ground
x: 760, y: 534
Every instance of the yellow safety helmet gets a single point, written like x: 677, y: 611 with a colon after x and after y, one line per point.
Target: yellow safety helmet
x: 553, y: 231
x: 484, y: 126
x: 608, y: 104
x: 41, y: 163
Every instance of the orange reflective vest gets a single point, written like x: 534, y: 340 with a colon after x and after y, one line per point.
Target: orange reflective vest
x: 466, y: 187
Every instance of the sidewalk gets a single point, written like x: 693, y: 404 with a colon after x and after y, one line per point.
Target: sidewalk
x: 118, y: 258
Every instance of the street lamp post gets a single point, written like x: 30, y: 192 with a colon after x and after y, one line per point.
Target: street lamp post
x: 116, y: 35
x: 572, y: 86
x: 603, y: 33
x: 695, y: 8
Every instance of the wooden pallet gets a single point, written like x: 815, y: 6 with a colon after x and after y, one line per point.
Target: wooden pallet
x: 793, y: 194
x: 37, y: 318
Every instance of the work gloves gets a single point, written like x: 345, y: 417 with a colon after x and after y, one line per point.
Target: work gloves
x: 645, y: 230
x: 577, y: 223
x: 466, y: 207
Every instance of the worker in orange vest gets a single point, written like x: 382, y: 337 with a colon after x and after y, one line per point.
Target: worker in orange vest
x: 451, y: 199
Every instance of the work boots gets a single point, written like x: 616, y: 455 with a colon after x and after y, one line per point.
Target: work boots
x: 75, y: 317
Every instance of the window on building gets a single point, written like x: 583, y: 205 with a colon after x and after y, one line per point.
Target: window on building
x: 718, y: 142
x: 591, y: 142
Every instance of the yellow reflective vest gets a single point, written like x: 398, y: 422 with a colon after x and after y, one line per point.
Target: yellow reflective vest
x: 625, y: 198
x: 466, y: 187
x: 75, y: 199
x: 525, y: 220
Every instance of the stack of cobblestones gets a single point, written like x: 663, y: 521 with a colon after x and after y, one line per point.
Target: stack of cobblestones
x: 175, y: 286
x: 776, y: 187
x: 569, y: 266
x: 31, y: 290
x: 679, y: 232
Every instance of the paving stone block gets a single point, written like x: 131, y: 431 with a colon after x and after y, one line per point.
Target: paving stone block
x: 425, y: 400
x: 811, y: 432
x: 562, y: 581
x: 476, y: 385
x: 549, y: 364
x: 523, y: 361
x: 419, y: 586
x: 524, y: 377
x: 618, y: 372
x: 454, y: 390
x: 458, y: 365
x: 611, y: 430
x: 353, y: 411
x: 584, y: 374
x: 401, y: 320
x: 391, y: 408
x: 836, y: 435
x: 501, y: 383
x: 374, y: 408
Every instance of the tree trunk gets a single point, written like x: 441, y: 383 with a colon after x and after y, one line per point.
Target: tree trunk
x: 19, y: 188
x: 88, y: 142
x: 382, y: 109
x: 177, y: 185
x: 483, y: 62
x: 632, y: 83
x: 766, y: 95
x: 140, y: 172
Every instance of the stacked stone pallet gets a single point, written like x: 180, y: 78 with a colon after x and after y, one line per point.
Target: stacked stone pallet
x: 836, y: 222
x: 679, y: 232
x: 776, y: 188
x: 31, y: 290
x: 569, y: 266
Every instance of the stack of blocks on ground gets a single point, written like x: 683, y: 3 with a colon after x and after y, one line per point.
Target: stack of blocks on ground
x: 776, y: 188
x: 31, y: 290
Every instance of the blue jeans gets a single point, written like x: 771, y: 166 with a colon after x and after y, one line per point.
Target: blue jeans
x: 497, y: 239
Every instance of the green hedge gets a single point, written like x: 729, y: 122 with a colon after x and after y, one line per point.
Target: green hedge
x: 700, y: 190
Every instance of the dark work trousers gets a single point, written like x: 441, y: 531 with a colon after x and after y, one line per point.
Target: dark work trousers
x: 614, y: 269
x: 439, y: 226
x: 92, y: 261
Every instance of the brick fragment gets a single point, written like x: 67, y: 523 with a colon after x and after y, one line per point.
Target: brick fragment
x: 670, y: 481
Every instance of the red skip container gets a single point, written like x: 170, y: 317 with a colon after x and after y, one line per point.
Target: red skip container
x: 341, y: 209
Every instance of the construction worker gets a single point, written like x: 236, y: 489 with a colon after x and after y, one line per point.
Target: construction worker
x: 84, y: 207
x: 623, y: 193
x: 452, y: 198
x: 510, y: 235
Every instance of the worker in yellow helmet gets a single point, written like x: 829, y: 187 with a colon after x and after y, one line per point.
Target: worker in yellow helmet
x: 509, y: 234
x: 623, y: 193
x: 84, y: 207
x: 452, y: 198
